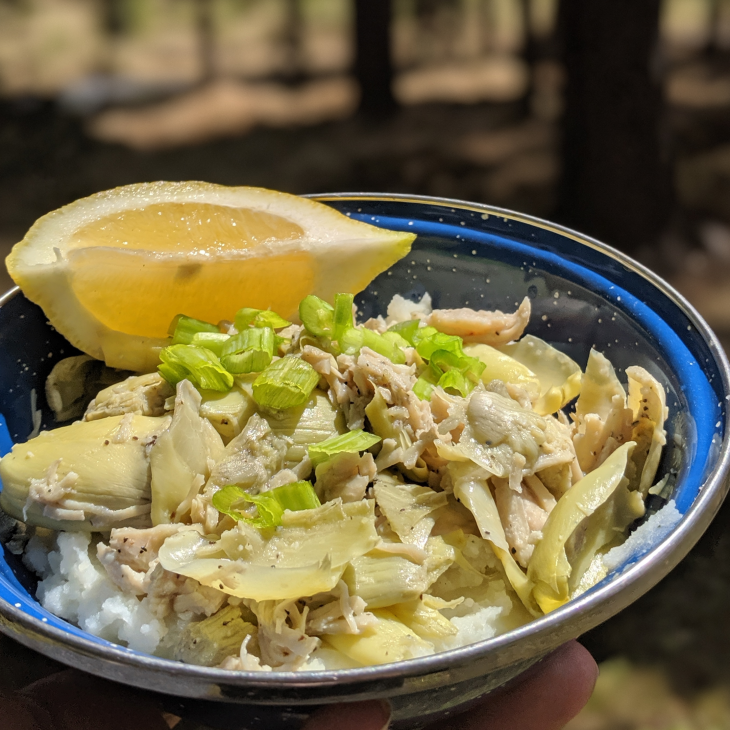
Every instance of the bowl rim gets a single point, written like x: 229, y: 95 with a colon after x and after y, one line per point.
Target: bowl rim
x: 526, y: 642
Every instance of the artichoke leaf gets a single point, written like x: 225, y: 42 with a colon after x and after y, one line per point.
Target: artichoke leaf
x: 245, y: 579
x: 181, y: 454
x: 603, y: 529
x: 471, y: 488
x: 382, y: 580
x: 408, y: 508
x: 501, y: 366
x: 558, y: 375
x: 389, y: 640
x: 496, y: 428
x: 602, y: 418
x: 384, y: 425
x: 648, y: 403
x: 423, y: 617
x: 550, y: 569
x: 306, y: 555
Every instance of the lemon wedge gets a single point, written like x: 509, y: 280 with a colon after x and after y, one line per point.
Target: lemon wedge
x: 112, y: 270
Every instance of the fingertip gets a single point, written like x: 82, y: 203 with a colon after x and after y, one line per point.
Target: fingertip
x: 575, y: 666
x: 368, y: 715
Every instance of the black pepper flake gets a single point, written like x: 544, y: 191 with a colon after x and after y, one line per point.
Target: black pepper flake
x: 106, y: 442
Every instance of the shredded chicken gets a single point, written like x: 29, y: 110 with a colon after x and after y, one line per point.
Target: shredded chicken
x: 344, y: 614
x: 283, y: 640
x: 490, y: 328
x: 245, y: 661
x: 523, y: 515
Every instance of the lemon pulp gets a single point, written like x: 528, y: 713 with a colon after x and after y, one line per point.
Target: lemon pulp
x: 193, y: 228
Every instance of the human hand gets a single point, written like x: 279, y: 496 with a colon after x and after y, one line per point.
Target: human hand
x: 546, y: 697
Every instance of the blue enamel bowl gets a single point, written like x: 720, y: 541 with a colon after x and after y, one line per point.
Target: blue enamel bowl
x: 584, y: 294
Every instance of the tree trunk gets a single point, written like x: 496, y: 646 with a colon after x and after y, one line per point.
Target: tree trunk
x: 206, y: 39
x: 616, y: 182
x: 373, y: 60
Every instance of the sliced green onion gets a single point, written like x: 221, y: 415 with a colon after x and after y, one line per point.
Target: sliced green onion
x: 351, y: 341
x: 472, y: 367
x: 396, y: 339
x: 342, y: 315
x: 455, y: 380
x: 267, y: 318
x: 423, y: 333
x: 196, y: 364
x: 183, y: 329
x: 270, y: 505
x: 350, y: 442
x: 382, y: 346
x: 439, y: 341
x: 248, y: 317
x: 296, y: 496
x: 427, y: 381
x: 212, y: 341
x: 285, y: 383
x: 250, y: 351
x: 244, y: 318
x: 406, y: 329
x: 317, y: 315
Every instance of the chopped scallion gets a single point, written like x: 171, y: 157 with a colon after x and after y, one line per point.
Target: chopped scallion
x: 212, y: 341
x: 427, y: 381
x: 396, y: 339
x: 439, y: 341
x: 183, y: 329
x: 317, y: 315
x: 196, y: 364
x: 270, y: 505
x: 250, y: 351
x: 342, y: 315
x: 350, y: 442
x: 405, y: 329
x: 382, y: 346
x: 285, y: 383
x: 249, y: 317
x: 455, y: 380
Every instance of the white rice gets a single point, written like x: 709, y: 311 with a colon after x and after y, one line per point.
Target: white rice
x: 645, y: 537
x: 77, y: 588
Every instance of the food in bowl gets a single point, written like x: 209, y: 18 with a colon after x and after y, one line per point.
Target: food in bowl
x: 330, y: 495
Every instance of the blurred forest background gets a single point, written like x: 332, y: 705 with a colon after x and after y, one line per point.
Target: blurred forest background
x: 609, y: 115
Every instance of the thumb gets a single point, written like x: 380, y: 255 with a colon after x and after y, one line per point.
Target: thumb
x: 72, y: 700
x: 368, y: 715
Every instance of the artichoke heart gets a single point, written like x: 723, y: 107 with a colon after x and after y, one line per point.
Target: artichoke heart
x: 228, y: 412
x: 500, y: 366
x: 89, y: 476
x: 309, y: 424
x: 559, y: 377
x: 208, y: 642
